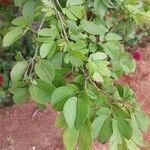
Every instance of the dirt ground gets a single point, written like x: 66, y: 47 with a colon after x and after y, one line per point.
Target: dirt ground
x: 19, y: 130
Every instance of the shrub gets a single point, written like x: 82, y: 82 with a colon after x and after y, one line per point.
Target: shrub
x: 79, y: 51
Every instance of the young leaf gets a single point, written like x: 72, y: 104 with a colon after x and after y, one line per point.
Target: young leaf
x: 69, y: 111
x: 45, y: 70
x: 70, y: 138
x: 17, y: 72
x: 106, y: 131
x: 12, y: 36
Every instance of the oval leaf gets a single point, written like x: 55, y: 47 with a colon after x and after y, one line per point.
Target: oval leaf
x: 17, y: 72
x: 106, y: 131
x: 60, y: 96
x: 12, y: 36
x: 45, y: 70
x: 70, y: 138
x: 69, y: 111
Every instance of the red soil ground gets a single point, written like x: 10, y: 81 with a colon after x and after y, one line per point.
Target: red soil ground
x: 19, y: 130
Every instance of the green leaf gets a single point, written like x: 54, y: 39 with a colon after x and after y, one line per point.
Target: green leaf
x: 103, y: 111
x: 98, y: 56
x: 72, y: 26
x: 124, y: 128
x: 107, y: 3
x: 106, y: 131
x: 60, y: 121
x: 12, y: 36
x: 82, y: 112
x: 47, y: 49
x: 48, y: 3
x: 74, y: 2
x: 142, y: 120
x: 79, y: 45
x: 76, y: 61
x: 131, y: 145
x: 101, y: 67
x: 99, y: 8
x: 41, y: 92
x: 57, y: 60
x: 17, y: 72
x: 97, y: 125
x: 116, y: 137
x: 48, y: 32
x: 77, y: 11
x: 60, y: 96
x: 45, y: 70
x: 97, y: 77
x: 21, y: 95
x: 91, y: 68
x: 118, y: 112
x: 111, y: 49
x: 122, y: 146
x: 69, y: 14
x: 113, y: 37
x: 19, y: 2
x: 92, y: 28
x: 78, y: 54
x: 28, y: 10
x: 85, y: 138
x: 126, y: 62
x: 92, y: 92
x: 69, y: 111
x: 19, y: 21
x: 70, y: 138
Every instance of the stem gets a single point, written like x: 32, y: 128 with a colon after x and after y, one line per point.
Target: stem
x: 59, y: 15
x: 57, y: 1
x: 31, y: 63
x: 114, y: 100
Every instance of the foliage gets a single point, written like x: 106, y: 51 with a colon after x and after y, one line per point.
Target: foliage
x: 79, y: 52
x: 8, y: 55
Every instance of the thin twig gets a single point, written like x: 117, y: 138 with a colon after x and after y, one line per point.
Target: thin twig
x: 59, y: 15
x: 109, y: 96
